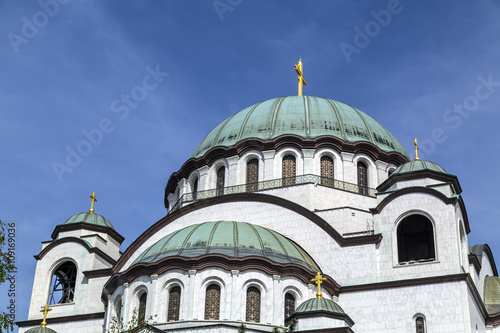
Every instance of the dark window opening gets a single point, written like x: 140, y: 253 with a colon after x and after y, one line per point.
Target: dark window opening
x: 63, y: 284
x: 253, y: 305
x: 195, y: 189
x: 288, y: 170
x: 252, y: 175
x: 142, y: 308
x: 415, y: 239
x: 362, y: 178
x: 221, y: 174
x: 419, y: 322
x: 326, y: 171
x: 212, y: 302
x: 174, y: 302
x: 289, y: 305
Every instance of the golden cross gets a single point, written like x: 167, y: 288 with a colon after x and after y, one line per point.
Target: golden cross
x: 92, y: 196
x: 416, y: 150
x: 318, y: 280
x: 45, y: 311
x: 300, y: 72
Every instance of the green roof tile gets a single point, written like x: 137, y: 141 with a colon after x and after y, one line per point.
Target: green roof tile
x: 319, y: 305
x: 40, y: 330
x: 420, y: 165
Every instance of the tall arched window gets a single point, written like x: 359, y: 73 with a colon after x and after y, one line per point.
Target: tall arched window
x: 252, y: 174
x: 118, y: 309
x: 362, y: 178
x: 289, y: 305
x: 142, y: 308
x: 212, y: 302
x: 415, y: 239
x: 326, y: 171
x: 253, y: 304
x: 288, y: 170
x: 174, y: 303
x: 63, y: 284
x: 221, y: 174
x: 195, y: 188
x: 420, y: 325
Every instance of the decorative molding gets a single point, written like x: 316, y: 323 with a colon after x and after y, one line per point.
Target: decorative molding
x: 411, y: 175
x: 98, y: 273
x: 95, y: 250
x: 81, y: 225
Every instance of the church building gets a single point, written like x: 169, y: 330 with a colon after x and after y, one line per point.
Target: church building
x: 297, y: 212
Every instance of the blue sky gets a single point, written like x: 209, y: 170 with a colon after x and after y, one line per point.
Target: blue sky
x: 424, y: 69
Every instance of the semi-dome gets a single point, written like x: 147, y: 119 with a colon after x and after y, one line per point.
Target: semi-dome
x: 321, y: 304
x: 231, y: 239
x: 304, y: 116
x: 89, y: 218
x: 418, y: 165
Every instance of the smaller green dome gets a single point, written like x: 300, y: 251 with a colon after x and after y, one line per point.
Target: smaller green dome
x: 231, y: 239
x: 419, y: 165
x: 40, y: 330
x: 319, y: 305
x: 89, y: 218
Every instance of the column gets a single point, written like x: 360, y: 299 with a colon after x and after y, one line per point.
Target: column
x: 108, y: 312
x: 127, y: 302
x: 203, y: 181
x: 269, y: 164
x: 192, y: 275
x: 308, y: 161
x: 232, y: 171
x: 155, y: 294
x: 234, y: 305
x: 276, y: 299
x: 350, y: 175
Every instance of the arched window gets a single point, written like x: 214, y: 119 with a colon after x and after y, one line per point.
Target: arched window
x: 415, y: 239
x: 253, y: 304
x: 195, y: 188
x: 362, y: 178
x: 326, y: 171
x: 142, y: 307
x: 288, y: 170
x: 221, y: 174
x: 420, y: 325
x: 63, y: 284
x: 212, y: 302
x: 174, y: 303
x: 252, y: 174
x: 118, y: 309
x: 289, y: 305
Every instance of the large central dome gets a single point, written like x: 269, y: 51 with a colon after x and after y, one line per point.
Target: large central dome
x: 305, y: 116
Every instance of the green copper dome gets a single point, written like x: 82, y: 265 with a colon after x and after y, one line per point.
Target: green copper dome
x: 231, y: 239
x: 419, y: 165
x: 319, y: 305
x: 304, y: 116
x: 89, y: 218
x: 40, y: 330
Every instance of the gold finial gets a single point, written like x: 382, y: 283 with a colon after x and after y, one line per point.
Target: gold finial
x: 300, y: 72
x: 416, y: 150
x: 45, y: 310
x: 318, y: 280
x: 92, y: 196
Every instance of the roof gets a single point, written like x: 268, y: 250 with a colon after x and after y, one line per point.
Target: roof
x: 40, y: 330
x: 319, y: 305
x: 323, y: 307
x: 231, y: 239
x: 305, y: 116
x: 89, y: 218
x: 492, y: 294
x: 419, y: 165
